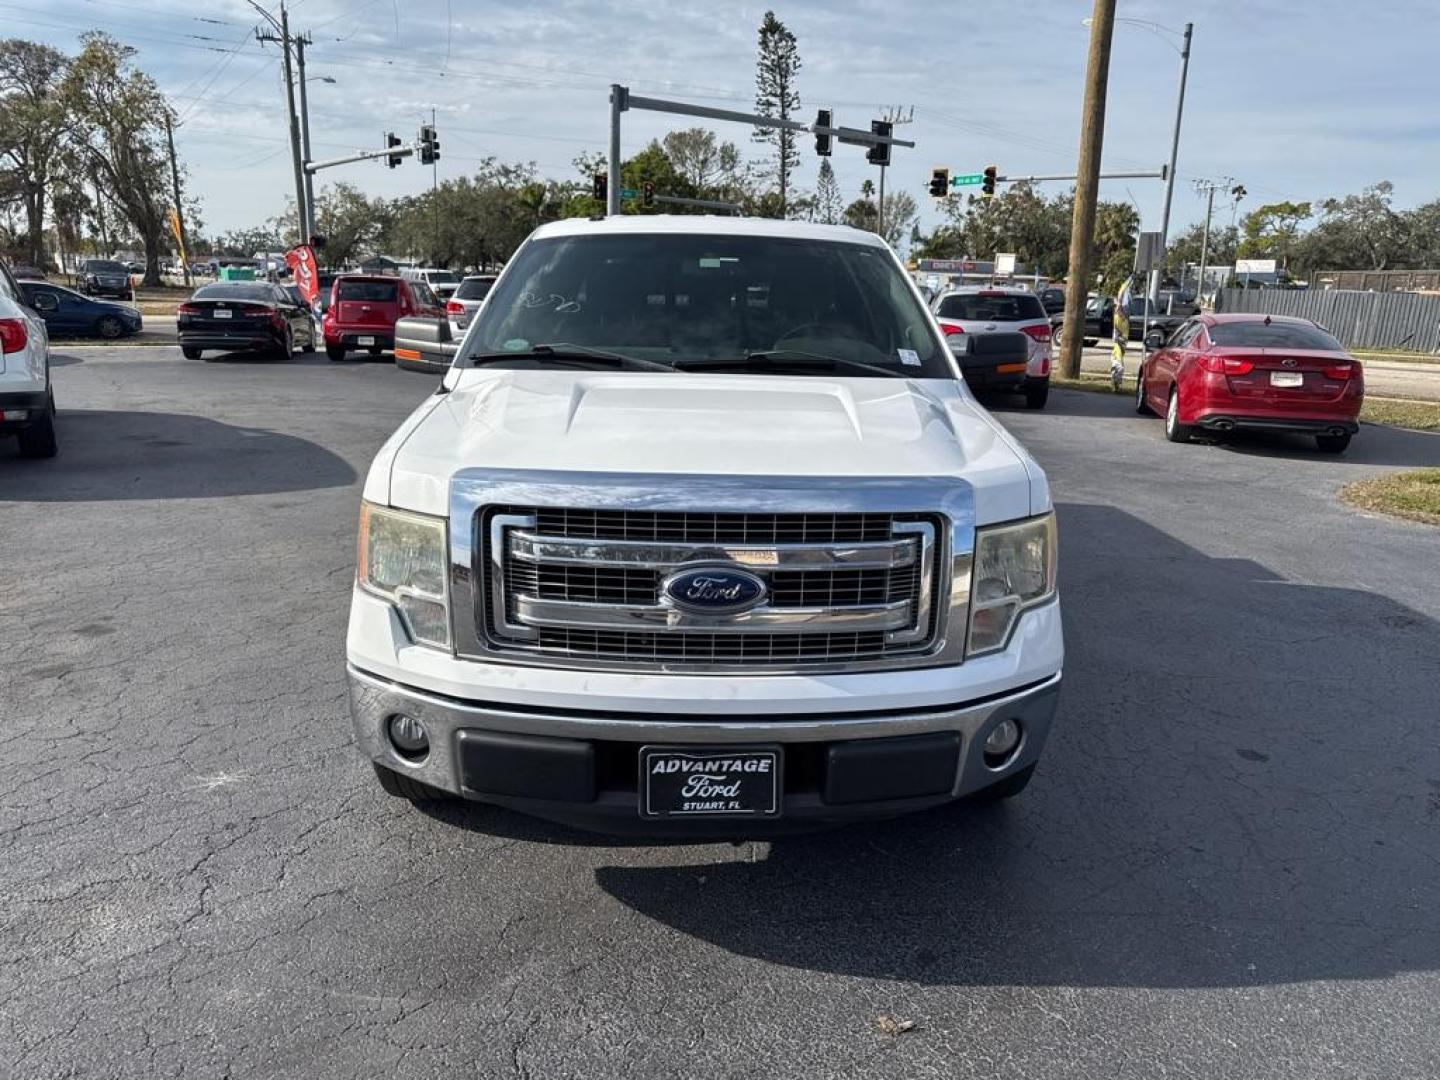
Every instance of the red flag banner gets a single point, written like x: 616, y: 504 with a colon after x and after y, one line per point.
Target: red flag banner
x: 301, y: 260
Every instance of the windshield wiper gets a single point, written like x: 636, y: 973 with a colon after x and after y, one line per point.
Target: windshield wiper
x: 565, y: 352
x: 789, y: 358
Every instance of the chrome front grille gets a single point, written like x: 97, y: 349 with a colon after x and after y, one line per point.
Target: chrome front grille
x: 589, y: 584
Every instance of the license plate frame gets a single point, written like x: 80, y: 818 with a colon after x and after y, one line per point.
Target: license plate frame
x: 730, y: 789
x: 1288, y: 380
x: 365, y: 339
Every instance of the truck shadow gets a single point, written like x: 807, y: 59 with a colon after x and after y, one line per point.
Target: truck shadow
x: 107, y: 456
x: 1242, y: 789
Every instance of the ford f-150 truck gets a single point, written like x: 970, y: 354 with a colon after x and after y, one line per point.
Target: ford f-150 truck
x: 702, y: 534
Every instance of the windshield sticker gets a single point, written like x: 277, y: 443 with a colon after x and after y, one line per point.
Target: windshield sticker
x: 909, y: 357
x: 516, y: 344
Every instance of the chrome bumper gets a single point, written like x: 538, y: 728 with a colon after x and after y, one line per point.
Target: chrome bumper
x: 374, y: 700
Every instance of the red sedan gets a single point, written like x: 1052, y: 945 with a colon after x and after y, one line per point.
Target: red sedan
x: 1254, y: 372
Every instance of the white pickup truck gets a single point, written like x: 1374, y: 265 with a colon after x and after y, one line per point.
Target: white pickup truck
x: 703, y: 534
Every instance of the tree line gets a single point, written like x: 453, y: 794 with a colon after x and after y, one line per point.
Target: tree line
x: 82, y: 150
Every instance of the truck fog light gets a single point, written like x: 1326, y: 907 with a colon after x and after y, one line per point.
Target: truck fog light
x: 408, y: 736
x: 1001, y: 742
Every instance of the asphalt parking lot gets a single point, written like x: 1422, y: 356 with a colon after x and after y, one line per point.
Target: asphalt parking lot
x: 1228, y: 864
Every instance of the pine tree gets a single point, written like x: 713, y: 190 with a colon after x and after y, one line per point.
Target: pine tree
x: 828, y: 203
x: 776, y: 96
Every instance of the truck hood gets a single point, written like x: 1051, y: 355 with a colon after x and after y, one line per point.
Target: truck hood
x: 732, y: 425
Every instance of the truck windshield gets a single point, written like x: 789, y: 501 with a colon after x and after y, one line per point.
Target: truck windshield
x: 691, y: 296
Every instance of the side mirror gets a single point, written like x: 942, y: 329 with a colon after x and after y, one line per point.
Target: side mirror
x: 422, y: 343
x: 1154, y: 339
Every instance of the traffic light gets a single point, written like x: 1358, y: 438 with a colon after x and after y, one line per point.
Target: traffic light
x: 647, y: 193
x: 987, y: 186
x: 392, y: 160
x: 939, y: 183
x: 600, y: 184
x: 824, y: 118
x: 429, y: 145
x: 879, y: 154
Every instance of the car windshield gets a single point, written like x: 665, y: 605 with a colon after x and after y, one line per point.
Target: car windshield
x: 384, y: 292
x: 990, y: 307
x: 235, y: 290
x: 1273, y: 335
x: 474, y: 288
x: 693, y: 296
x: 101, y: 266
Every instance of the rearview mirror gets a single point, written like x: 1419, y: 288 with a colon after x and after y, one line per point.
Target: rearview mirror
x: 1154, y: 339
x: 422, y: 343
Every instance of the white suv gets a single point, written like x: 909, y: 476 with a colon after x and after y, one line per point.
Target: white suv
x: 702, y: 534
x: 979, y: 310
x: 27, y: 402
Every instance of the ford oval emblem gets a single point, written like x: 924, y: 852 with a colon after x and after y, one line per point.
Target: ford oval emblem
x: 714, y: 590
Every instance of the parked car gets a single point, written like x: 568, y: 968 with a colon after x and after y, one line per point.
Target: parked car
x: 106, y: 277
x: 1170, y: 310
x: 1052, y: 299
x: 461, y: 307
x: 28, y: 273
x: 982, y: 309
x: 67, y: 313
x: 27, y: 400
x: 364, y: 307
x: 703, y: 536
x: 442, y: 283
x: 1252, y: 372
x: 254, y: 316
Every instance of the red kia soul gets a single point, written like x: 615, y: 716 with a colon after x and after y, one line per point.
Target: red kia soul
x: 363, y: 310
x: 1255, y: 372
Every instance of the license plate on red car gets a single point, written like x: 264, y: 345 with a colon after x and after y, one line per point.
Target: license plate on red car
x: 1287, y: 378
x: 364, y: 341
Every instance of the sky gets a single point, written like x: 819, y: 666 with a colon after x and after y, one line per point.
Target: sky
x: 1296, y: 100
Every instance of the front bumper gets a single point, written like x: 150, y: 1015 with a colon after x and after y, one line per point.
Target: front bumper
x: 581, y: 767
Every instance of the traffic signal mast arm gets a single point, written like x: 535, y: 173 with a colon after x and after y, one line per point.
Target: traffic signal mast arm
x: 362, y: 155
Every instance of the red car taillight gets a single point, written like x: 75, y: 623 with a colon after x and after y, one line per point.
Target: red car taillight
x: 454, y: 307
x: 1227, y: 365
x: 1341, y: 370
x: 1037, y: 333
x: 13, y: 335
x: 950, y: 328
x: 189, y: 309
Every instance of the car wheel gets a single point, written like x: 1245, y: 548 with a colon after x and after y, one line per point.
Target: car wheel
x: 1037, y: 392
x: 189, y: 353
x: 335, y: 352
x: 1174, y: 430
x: 286, y: 347
x: 1332, y: 444
x: 1141, y: 405
x: 37, y: 439
x: 109, y: 327
x: 402, y: 787
x: 1008, y: 788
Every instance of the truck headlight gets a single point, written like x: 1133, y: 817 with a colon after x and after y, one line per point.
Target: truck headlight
x: 1014, y: 570
x: 402, y: 558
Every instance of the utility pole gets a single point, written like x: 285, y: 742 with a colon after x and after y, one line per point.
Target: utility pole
x: 1087, y: 185
x: 284, y: 40
x: 308, y: 216
x: 1174, y: 152
x: 179, y: 207
x: 894, y: 117
x: 619, y: 102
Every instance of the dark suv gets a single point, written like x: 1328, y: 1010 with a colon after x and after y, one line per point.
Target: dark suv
x: 106, y: 277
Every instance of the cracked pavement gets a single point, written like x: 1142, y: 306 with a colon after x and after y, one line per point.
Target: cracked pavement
x: 1228, y: 863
